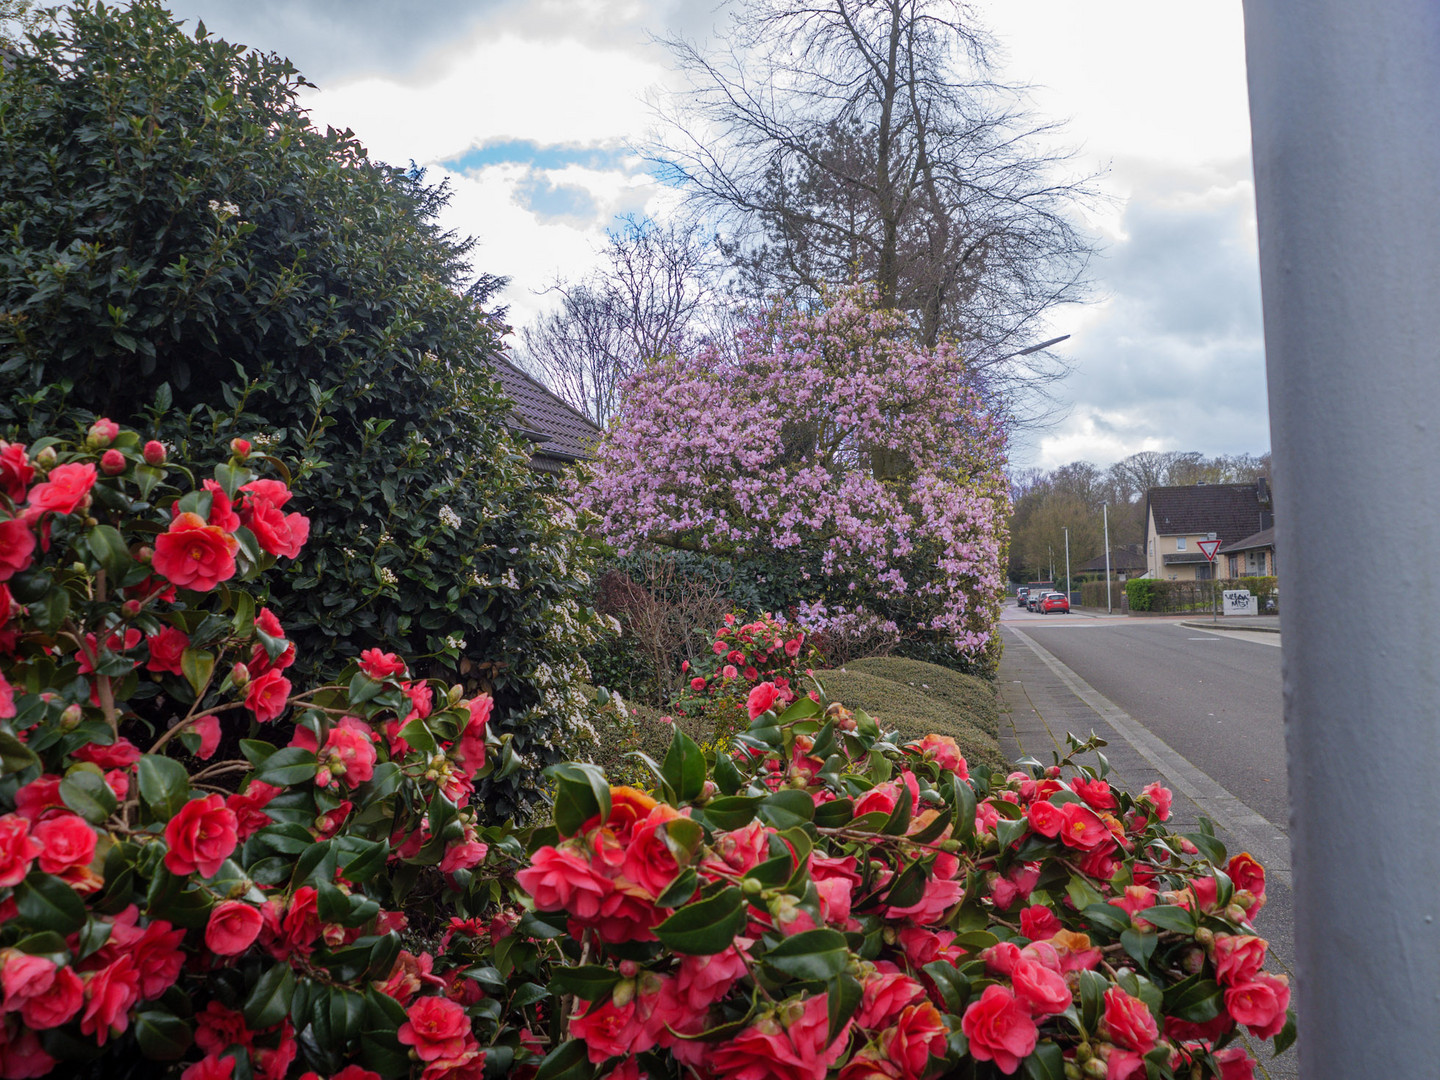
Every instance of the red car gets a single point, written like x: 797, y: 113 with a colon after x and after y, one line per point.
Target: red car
x: 1055, y: 601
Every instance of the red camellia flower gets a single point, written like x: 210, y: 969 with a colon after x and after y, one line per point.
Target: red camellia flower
x: 17, y: 547
x: 697, y: 683
x: 789, y: 1045
x: 762, y: 698
x: 436, y: 1028
x: 166, y: 648
x: 57, y: 1003
x: 17, y: 850
x: 918, y: 1033
x: 1260, y: 1004
x: 194, y: 554
x: 1000, y: 1029
x: 267, y: 695
x: 153, y: 452
x: 233, y: 927
x: 1095, y: 792
x: 201, y: 836
x: 1238, y: 957
x: 208, y: 728
x: 64, y: 489
x: 1042, y: 990
x: 222, y: 514
x: 349, y: 751
x: 16, y: 472
x: 109, y: 994
x: 1247, y: 873
x: 120, y: 754
x: 560, y: 880
x: 381, y: 665
x: 1082, y: 828
x: 67, y: 840
x: 1130, y: 1022
x: 211, y: 1068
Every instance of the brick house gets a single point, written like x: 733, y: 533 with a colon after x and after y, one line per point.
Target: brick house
x: 1177, y: 518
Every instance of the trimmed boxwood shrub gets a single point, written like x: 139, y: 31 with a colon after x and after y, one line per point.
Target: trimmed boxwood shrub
x: 185, y: 252
x: 973, y: 698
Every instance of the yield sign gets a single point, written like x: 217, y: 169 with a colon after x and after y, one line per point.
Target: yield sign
x: 1208, y: 548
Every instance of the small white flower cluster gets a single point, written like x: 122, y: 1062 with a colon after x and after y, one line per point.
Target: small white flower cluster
x: 223, y: 210
x: 455, y: 641
x: 510, y: 579
x: 386, y: 576
x: 449, y: 518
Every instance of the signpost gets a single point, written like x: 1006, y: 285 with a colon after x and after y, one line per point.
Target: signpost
x: 1208, y: 548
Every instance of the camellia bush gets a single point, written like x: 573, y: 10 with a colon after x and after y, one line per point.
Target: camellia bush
x: 199, y: 859
x: 828, y: 446
x: 826, y: 902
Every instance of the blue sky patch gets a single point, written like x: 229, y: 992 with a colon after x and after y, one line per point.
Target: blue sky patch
x: 538, y: 156
x: 547, y: 200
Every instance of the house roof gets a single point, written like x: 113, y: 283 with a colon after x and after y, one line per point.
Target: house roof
x: 561, y: 434
x: 1227, y: 510
x: 1181, y: 558
x: 1265, y: 538
x: 1121, y: 559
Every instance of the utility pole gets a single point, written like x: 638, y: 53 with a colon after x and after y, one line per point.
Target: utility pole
x: 1347, y: 178
x: 1067, y: 565
x: 1105, y: 515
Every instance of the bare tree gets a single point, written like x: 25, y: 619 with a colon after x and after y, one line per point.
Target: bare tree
x: 649, y: 295
x: 845, y: 139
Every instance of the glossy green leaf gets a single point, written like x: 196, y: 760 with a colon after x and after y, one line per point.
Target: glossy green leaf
x: 812, y: 954
x: 684, y: 767
x: 1170, y: 917
x: 269, y: 1001
x: 110, y: 550
x: 732, y: 811
x: 588, y: 982
x: 1047, y: 1062
x: 787, y: 808
x: 581, y: 793
x: 287, y: 767
x: 163, y: 1036
x: 48, y: 903
x: 705, y: 927
x: 164, y: 785
x: 1195, y: 999
x: 88, y: 794
x: 568, y: 1061
x: 198, y: 665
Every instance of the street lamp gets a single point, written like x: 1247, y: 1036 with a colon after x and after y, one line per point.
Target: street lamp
x: 1034, y: 348
x: 1067, y: 564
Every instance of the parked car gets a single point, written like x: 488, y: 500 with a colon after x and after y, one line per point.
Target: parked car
x: 1055, y: 601
x: 1021, y: 594
x: 1033, y: 600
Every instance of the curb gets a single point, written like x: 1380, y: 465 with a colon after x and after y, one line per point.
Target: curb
x: 1221, y: 626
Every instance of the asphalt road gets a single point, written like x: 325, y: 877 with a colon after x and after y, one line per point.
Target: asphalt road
x: 1213, y: 697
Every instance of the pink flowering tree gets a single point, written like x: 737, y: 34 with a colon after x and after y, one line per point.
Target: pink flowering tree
x: 830, y: 445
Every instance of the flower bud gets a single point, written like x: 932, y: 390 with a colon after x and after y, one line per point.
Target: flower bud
x: 322, y: 776
x: 709, y: 791
x: 1245, y: 898
x: 1094, y: 1069
x: 112, y: 463
x: 1084, y: 1053
x: 239, y: 675
x: 1236, y: 913
x: 1192, y: 961
x: 144, y: 553
x: 751, y: 887
x: 70, y: 718
x: 1205, y: 936
x: 46, y: 458
x: 1072, y: 1071
x: 623, y: 994
x: 153, y: 452
x: 628, y: 968
x: 102, y: 433
x: 130, y: 608
x: 240, y: 448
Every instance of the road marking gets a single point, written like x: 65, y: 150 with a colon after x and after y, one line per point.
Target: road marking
x: 1256, y: 833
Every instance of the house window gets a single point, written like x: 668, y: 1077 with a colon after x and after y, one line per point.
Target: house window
x: 1179, y: 543
x: 1234, y: 566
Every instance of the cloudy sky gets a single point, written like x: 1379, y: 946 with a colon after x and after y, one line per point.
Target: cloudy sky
x: 530, y: 106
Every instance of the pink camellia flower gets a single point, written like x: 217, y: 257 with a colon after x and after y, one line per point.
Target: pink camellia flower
x: 7, y: 697
x: 1082, y: 828
x: 789, y: 1043
x: 166, y: 649
x: 23, y: 1056
x: 233, y: 927
x: 1039, y: 923
x: 918, y: 1034
x: 609, y: 1030
x: 267, y: 695
x: 349, y: 751
x: 102, y: 432
x: 730, y: 671
x: 211, y: 1068
x: 23, y: 977
x: 153, y: 452
x: 436, y: 1028
x: 113, y: 463
x: 67, y: 840
x: 1235, y: 1064
x: 792, y: 647
x: 465, y: 855
x: 16, y: 472
x: 945, y: 752
x: 222, y: 513
x: 1095, y: 792
x: 1247, y: 873
x: 1042, y: 990
x: 885, y: 994
x: 194, y: 554
x: 1238, y: 958
x: 208, y: 728
x: 201, y: 837
x: 1260, y: 1004
x: 882, y: 799
x: 999, y: 1029
x: 249, y: 807
x: 560, y: 880
x: 381, y: 665
x: 649, y: 862
x: 1160, y: 797
x: 704, y: 980
x: 64, y: 489
x: 109, y: 995
x: 55, y: 1004
x: 697, y: 683
x: 17, y: 547
x: 761, y: 698
x: 17, y: 850
x: 1129, y: 1022
x: 1123, y: 1064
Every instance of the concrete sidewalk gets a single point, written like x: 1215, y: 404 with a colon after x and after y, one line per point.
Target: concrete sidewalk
x: 1042, y: 699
